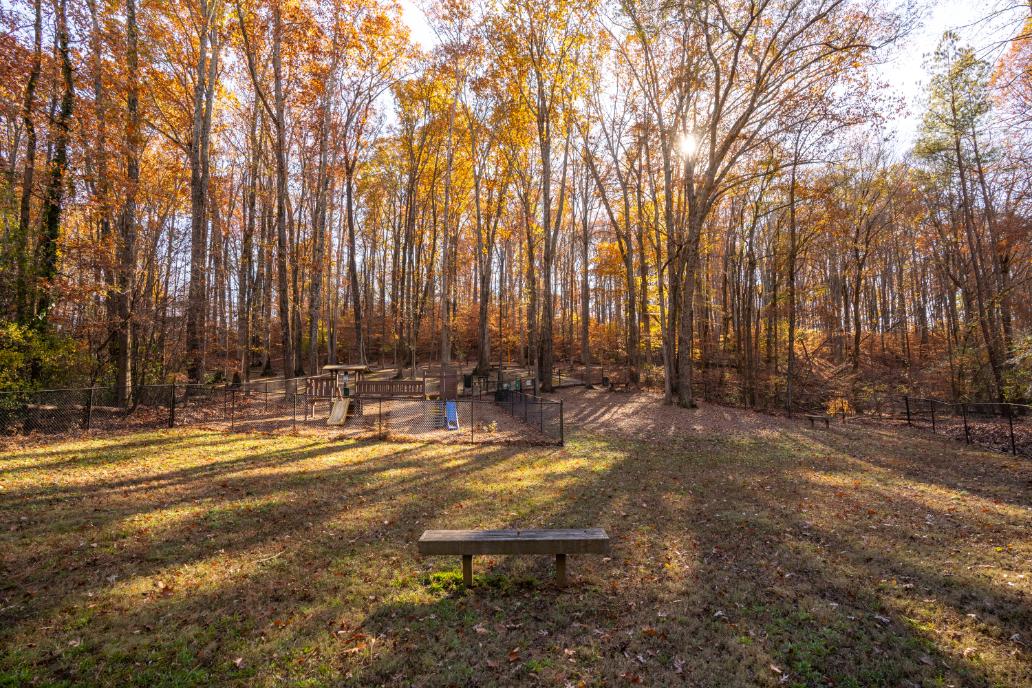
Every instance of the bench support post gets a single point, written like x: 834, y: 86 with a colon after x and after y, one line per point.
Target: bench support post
x: 467, y: 570
x: 560, y: 570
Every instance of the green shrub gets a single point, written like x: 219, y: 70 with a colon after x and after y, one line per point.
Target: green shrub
x: 30, y: 359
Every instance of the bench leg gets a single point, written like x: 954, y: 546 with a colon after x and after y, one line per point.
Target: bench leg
x: 467, y: 570
x: 827, y: 423
x: 560, y: 570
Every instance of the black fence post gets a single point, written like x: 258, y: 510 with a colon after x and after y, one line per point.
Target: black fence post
x: 88, y: 416
x: 967, y: 432
x: 931, y: 406
x: 472, y: 421
x: 1010, y: 422
x: 562, y: 428
x: 172, y: 405
x: 294, y: 414
x: 232, y: 410
x: 266, y: 396
x: 906, y: 400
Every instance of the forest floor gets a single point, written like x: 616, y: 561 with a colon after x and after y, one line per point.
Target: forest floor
x: 747, y: 551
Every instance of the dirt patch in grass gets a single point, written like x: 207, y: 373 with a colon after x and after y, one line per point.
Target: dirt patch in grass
x: 643, y: 415
x: 746, y: 552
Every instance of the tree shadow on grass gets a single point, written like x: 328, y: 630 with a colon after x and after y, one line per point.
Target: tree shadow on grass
x: 29, y: 458
x: 935, y: 460
x: 715, y: 579
x: 316, y: 507
x: 730, y: 566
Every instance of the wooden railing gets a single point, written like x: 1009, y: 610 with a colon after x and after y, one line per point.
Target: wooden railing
x: 391, y: 388
x: 321, y: 387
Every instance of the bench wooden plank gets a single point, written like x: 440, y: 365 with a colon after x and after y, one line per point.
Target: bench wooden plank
x: 812, y: 418
x: 511, y: 541
x: 555, y: 541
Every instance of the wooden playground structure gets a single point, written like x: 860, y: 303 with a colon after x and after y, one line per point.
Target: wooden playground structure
x: 345, y: 392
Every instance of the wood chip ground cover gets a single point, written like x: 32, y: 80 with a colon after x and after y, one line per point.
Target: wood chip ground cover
x: 747, y: 551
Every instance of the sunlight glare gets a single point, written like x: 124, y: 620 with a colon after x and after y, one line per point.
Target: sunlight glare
x: 688, y: 144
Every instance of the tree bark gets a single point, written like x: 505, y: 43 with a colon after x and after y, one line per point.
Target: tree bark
x: 53, y: 198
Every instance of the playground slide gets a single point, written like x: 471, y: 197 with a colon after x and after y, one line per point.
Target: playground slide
x: 451, y: 414
x: 339, y: 412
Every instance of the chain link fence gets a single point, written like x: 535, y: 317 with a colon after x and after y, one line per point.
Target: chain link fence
x: 1001, y: 426
x: 273, y: 406
x: 546, y: 415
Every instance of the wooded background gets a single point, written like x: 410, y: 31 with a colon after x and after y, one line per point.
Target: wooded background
x: 706, y: 189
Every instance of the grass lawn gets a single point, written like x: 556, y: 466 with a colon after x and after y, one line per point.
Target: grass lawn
x: 791, y: 557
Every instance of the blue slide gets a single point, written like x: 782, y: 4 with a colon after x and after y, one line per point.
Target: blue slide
x: 451, y: 413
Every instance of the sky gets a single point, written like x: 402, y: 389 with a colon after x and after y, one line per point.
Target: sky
x: 905, y: 72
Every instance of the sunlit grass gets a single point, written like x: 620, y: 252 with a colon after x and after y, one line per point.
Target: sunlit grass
x: 793, y: 558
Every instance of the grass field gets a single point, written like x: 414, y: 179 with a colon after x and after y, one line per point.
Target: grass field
x: 782, y: 557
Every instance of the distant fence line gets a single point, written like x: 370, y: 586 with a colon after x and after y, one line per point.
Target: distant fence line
x: 916, y: 409
x: 977, y: 420
x: 276, y: 405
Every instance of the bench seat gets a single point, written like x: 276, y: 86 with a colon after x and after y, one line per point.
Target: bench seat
x: 558, y: 542
x: 621, y: 379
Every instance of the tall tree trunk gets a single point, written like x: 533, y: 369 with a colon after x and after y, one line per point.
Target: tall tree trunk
x: 356, y: 295
x: 196, y: 313
x: 21, y: 241
x: 446, y: 238
x: 791, y: 286
x: 585, y: 286
x: 986, y: 321
x: 245, y: 287
x: 53, y: 198
x: 127, y: 222
x: 319, y: 213
x: 283, y: 296
x: 102, y: 197
x: 686, y: 325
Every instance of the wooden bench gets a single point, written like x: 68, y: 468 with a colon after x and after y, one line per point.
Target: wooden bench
x: 621, y: 379
x: 594, y: 375
x: 532, y: 541
x: 813, y: 419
